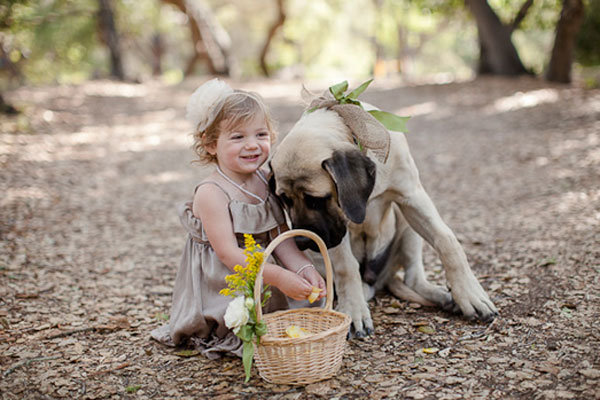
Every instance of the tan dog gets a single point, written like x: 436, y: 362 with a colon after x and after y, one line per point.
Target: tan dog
x: 372, y: 212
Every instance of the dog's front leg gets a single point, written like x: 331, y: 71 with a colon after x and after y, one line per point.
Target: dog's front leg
x: 348, y: 287
x: 424, y: 218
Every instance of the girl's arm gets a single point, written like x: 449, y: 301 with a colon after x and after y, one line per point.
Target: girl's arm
x: 295, y: 260
x: 210, y: 205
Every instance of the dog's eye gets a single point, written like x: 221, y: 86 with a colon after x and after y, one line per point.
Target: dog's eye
x: 316, y: 203
x: 286, y: 200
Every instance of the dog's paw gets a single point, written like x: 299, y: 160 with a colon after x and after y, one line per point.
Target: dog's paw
x: 362, y: 324
x: 472, y: 299
x: 485, y: 310
x: 450, y: 306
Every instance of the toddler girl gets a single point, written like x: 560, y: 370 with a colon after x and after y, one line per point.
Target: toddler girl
x: 233, y: 130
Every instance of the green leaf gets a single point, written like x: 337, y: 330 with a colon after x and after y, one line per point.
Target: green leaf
x: 547, y: 262
x: 260, y: 328
x: 359, y: 144
x: 338, y: 90
x: 247, y: 355
x: 246, y: 333
x: 161, y: 316
x: 133, y: 388
x: 357, y: 92
x: 266, y: 295
x: 347, y: 100
x: 567, y: 312
x: 187, y: 353
x: 426, y: 329
x: 390, y: 121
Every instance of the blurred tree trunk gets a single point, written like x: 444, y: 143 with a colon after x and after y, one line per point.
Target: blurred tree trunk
x: 498, y: 54
x: 274, y: 28
x: 408, y: 52
x: 211, y: 42
x: 158, y: 50
x: 109, y: 36
x: 7, y: 64
x: 380, y: 66
x: 571, y: 18
x: 6, y: 108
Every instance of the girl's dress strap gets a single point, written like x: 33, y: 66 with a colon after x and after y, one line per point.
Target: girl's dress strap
x: 217, y: 185
x: 262, y: 177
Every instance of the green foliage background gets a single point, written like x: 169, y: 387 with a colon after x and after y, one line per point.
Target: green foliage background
x: 57, y: 40
x: 588, y: 41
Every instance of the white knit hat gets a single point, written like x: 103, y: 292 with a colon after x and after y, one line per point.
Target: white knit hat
x: 206, y: 102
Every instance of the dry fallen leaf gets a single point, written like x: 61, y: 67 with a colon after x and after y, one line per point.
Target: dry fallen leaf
x: 187, y: 353
x: 426, y: 329
x: 430, y: 350
x: 590, y: 373
x: 445, y: 352
x: 88, y: 222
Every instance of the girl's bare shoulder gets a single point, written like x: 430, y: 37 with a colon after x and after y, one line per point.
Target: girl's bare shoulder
x: 210, y: 195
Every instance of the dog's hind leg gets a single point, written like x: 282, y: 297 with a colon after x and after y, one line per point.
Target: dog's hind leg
x: 415, y: 286
x: 403, y: 292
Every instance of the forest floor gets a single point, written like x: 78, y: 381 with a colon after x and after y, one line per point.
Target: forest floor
x: 90, y: 245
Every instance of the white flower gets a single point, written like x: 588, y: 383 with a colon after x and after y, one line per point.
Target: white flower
x: 249, y: 303
x: 236, y: 314
x: 203, y: 105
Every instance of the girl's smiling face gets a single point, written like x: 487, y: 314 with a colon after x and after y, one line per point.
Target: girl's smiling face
x: 241, y: 150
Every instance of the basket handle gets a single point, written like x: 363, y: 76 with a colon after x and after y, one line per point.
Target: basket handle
x: 271, y: 247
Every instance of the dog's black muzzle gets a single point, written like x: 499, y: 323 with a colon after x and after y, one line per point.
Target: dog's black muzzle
x: 331, y: 238
x: 304, y: 243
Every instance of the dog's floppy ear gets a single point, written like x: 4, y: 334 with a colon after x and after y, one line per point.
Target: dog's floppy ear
x: 354, y: 177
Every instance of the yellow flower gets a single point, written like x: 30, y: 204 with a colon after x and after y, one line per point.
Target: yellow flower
x: 240, y: 285
x: 242, y: 281
x: 295, y: 332
x: 314, y: 294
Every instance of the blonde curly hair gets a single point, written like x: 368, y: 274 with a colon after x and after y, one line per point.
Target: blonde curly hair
x: 235, y: 110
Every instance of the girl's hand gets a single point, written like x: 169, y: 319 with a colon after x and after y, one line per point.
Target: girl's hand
x: 293, y: 285
x: 315, y: 279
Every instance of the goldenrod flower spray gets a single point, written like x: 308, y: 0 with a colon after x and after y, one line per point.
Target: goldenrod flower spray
x: 241, y: 312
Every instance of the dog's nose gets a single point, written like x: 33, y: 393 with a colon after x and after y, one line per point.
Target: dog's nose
x: 304, y: 243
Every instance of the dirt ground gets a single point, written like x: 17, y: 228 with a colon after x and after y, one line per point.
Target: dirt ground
x: 90, y: 242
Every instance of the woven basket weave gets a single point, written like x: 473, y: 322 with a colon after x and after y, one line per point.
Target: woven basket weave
x: 297, y: 361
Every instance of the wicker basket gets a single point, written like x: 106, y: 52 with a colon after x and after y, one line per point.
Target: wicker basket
x: 297, y: 361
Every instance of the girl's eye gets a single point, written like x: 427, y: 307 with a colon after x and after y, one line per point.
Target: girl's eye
x: 263, y: 134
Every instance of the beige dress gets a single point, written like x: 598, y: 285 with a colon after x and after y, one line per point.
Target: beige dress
x: 197, y: 310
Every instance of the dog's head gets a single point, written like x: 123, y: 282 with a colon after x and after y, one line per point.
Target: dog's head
x: 322, y: 178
